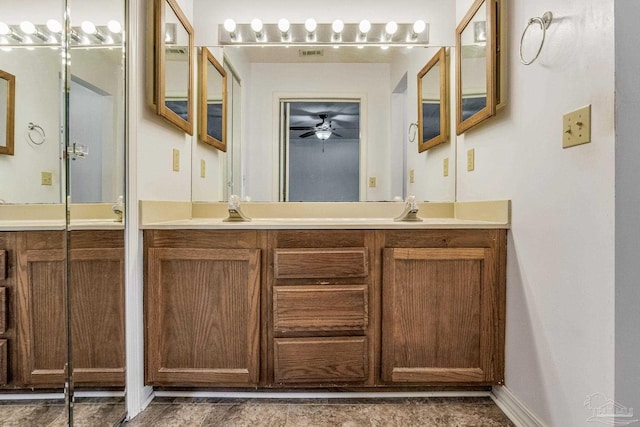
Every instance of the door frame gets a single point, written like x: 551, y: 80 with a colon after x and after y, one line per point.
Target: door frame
x: 276, y: 140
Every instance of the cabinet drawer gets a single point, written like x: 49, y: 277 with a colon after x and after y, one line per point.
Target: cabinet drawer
x: 318, y: 309
x: 3, y: 310
x: 3, y: 264
x: 300, y: 263
x: 3, y: 362
x: 320, y: 360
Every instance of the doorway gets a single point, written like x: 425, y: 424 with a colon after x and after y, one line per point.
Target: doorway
x: 320, y: 150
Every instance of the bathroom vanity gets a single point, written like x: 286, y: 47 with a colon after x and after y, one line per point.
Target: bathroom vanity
x: 333, y: 302
x: 33, y: 326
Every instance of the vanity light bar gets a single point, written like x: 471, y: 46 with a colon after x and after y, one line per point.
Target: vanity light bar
x: 48, y: 34
x: 311, y: 32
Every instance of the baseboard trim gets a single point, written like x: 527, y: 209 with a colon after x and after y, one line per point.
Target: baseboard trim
x: 322, y: 395
x: 513, y: 408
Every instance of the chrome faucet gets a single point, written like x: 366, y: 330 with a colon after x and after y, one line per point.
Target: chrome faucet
x: 410, y: 212
x: 235, y: 214
x: 118, y: 209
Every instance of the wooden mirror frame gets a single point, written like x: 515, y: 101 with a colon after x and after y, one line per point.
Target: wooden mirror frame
x: 11, y: 112
x: 160, y: 70
x: 207, y: 58
x: 492, y: 84
x: 439, y: 58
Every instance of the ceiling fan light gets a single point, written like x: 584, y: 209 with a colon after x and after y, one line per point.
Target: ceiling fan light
x: 323, y: 134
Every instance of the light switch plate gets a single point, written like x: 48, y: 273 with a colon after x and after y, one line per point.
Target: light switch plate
x: 412, y: 176
x: 46, y: 178
x: 576, y: 127
x: 445, y: 167
x: 372, y: 181
x: 471, y: 162
x: 203, y: 167
x: 176, y: 160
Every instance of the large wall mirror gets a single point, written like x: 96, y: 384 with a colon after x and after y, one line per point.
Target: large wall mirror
x: 328, y: 109
x: 7, y: 111
x: 173, y: 41
x: 433, y: 102
x: 64, y: 292
x: 477, y: 84
x: 212, y: 101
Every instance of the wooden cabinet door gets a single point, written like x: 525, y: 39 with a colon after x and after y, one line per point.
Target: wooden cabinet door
x: 439, y: 317
x: 96, y: 292
x: 203, y: 314
x: 41, y: 307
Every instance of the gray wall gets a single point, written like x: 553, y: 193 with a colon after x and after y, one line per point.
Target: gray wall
x: 627, y: 218
x: 329, y: 176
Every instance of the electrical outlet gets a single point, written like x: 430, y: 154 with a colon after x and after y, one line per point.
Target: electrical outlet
x: 202, y: 168
x: 46, y: 178
x: 471, y: 162
x: 445, y: 167
x: 576, y: 127
x: 372, y: 181
x: 176, y: 160
x: 412, y: 176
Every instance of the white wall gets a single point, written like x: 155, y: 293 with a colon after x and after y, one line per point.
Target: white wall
x: 627, y: 14
x: 560, y: 272
x: 156, y: 137
x: 38, y: 100
x: 371, y: 81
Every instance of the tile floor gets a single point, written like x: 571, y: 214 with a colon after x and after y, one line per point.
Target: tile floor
x: 436, y: 412
x: 52, y: 413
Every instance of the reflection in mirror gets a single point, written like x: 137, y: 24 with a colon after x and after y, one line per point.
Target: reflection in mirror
x: 379, y: 80
x: 7, y: 111
x: 96, y: 125
x: 95, y: 238
x: 212, y: 104
x: 476, y: 66
x: 433, y: 102
x: 173, y: 65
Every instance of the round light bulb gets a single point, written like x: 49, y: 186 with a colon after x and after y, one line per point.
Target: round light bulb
x: 419, y: 26
x: 229, y: 25
x: 114, y: 26
x: 27, y: 27
x: 310, y: 25
x: 4, y: 29
x: 364, y: 26
x: 391, y: 28
x: 337, y: 26
x: 283, y: 25
x: 54, y: 26
x: 256, y: 25
x: 88, y: 27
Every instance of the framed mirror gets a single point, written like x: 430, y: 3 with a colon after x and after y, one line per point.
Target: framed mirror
x: 212, y: 100
x: 476, y: 65
x: 173, y: 65
x: 7, y: 111
x: 433, y: 101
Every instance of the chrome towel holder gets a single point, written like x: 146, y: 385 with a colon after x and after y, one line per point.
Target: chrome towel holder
x: 544, y: 21
x: 38, y: 131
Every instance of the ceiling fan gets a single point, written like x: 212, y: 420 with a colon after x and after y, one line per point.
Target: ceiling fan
x: 322, y: 130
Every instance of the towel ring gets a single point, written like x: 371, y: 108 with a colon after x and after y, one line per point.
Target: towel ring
x: 37, y: 130
x: 412, y: 136
x: 544, y: 23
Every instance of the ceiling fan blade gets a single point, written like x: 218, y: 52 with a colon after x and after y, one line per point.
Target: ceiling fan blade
x: 307, y: 134
x: 300, y: 128
x: 336, y: 134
